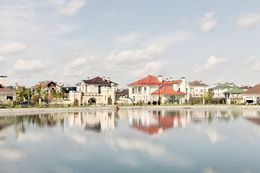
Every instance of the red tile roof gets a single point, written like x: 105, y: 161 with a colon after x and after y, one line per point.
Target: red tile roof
x: 171, y: 82
x: 149, y: 80
x: 167, y: 91
x: 254, y: 90
x: 153, y: 80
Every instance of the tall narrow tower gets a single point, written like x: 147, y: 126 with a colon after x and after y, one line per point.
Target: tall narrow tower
x: 3, y: 80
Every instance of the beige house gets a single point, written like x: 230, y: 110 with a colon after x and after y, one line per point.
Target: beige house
x: 96, y: 91
x: 7, y: 94
x: 197, y: 89
x: 252, y: 95
x: 48, y: 86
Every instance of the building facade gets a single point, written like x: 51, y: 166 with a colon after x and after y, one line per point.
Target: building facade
x: 197, y: 89
x: 221, y: 88
x: 6, y: 93
x: 156, y: 89
x: 96, y: 91
x: 48, y: 86
x: 252, y: 95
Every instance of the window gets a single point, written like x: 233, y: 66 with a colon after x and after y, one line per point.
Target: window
x: 133, y: 90
x: 144, y: 89
x: 99, y: 89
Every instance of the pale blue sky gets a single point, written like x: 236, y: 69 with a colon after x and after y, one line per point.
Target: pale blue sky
x: 69, y: 40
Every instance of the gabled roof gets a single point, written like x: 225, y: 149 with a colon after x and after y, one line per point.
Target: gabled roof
x: 235, y: 91
x: 225, y: 85
x: 246, y: 87
x: 98, y: 81
x: 164, y: 82
x: 4, y: 89
x: 198, y: 83
x: 43, y: 84
x: 153, y: 80
x: 254, y: 90
x: 148, y: 80
x: 167, y: 91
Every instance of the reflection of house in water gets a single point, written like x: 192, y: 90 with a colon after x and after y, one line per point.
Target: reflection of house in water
x: 252, y: 116
x: 255, y: 120
x: 4, y: 124
x: 99, y: 121
x: 155, y: 122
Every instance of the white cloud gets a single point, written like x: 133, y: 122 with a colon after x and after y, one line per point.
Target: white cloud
x: 208, y: 22
x: 209, y: 170
x: 248, y: 20
x: 2, y: 59
x: 211, y: 64
x: 129, y: 38
x: 153, y: 67
x: 79, y: 66
x: 128, y: 56
x: 153, y: 48
x: 12, y: 48
x: 11, y: 154
x: 256, y: 67
x: 213, y: 135
x: 72, y: 7
x: 136, y: 144
x: 29, y: 65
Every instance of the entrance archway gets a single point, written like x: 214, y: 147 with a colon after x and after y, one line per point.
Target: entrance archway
x: 92, y: 101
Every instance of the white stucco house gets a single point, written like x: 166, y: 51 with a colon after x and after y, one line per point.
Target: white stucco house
x: 151, y: 89
x: 95, y: 91
x: 252, y: 95
x: 197, y: 89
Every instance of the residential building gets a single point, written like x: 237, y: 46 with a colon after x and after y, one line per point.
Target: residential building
x: 156, y: 89
x: 252, y: 95
x: 48, y: 86
x: 245, y: 87
x: 98, y: 90
x: 197, y: 89
x: 221, y: 88
x: 122, y: 96
x: 6, y: 93
x: 3, y: 80
x: 234, y: 96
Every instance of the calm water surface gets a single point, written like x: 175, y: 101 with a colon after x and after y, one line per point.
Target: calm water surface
x: 179, y: 141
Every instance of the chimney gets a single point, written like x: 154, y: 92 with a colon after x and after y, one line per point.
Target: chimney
x: 160, y: 78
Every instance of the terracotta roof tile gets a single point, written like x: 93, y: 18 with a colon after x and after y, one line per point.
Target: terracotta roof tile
x: 153, y: 80
x: 149, y: 80
x: 254, y: 90
x: 167, y: 91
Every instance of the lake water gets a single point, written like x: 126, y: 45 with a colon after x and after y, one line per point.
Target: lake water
x: 134, y: 140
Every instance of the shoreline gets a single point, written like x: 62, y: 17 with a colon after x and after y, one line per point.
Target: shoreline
x: 30, y: 111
